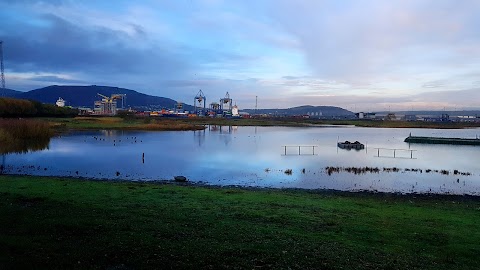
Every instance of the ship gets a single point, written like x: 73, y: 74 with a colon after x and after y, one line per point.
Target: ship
x: 60, y: 102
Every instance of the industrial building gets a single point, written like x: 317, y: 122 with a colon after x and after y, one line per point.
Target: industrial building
x: 108, y: 105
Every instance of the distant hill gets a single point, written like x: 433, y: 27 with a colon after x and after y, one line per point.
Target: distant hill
x: 85, y: 96
x: 314, y: 111
x: 434, y: 113
x: 9, y: 92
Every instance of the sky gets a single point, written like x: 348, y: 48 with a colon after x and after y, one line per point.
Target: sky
x: 366, y: 55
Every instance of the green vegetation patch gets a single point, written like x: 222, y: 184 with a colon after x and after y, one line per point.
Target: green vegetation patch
x: 198, y: 123
x: 12, y: 107
x: 95, y: 123
x: 77, y: 224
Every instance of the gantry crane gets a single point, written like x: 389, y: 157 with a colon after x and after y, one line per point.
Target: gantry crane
x: 226, y: 100
x: 198, y: 100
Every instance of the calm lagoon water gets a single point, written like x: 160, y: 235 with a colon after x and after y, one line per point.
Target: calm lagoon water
x: 255, y: 156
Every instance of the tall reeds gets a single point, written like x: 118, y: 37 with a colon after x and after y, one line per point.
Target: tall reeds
x: 22, y: 135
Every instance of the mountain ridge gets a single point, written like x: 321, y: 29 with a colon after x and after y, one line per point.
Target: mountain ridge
x: 85, y: 96
x: 9, y: 92
x: 313, y: 111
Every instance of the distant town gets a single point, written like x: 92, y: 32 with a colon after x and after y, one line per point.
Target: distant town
x: 116, y: 103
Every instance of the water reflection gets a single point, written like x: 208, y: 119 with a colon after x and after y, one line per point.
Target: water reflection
x: 20, y: 146
x: 199, y: 136
x: 254, y: 156
x: 3, y: 164
x: 22, y: 135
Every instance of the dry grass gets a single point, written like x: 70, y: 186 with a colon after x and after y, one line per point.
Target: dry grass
x: 100, y: 119
x: 22, y: 135
x: 25, y: 128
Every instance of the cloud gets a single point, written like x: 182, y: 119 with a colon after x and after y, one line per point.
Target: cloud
x: 288, y: 53
x: 459, y: 98
x: 62, y: 46
x: 368, y: 40
x: 55, y: 79
x: 435, y: 84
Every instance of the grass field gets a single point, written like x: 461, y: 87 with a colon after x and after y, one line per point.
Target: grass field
x: 159, y: 123
x: 121, y: 123
x: 58, y: 223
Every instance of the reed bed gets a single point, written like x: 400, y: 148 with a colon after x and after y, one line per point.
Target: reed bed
x: 170, y: 125
x: 128, y: 124
x: 363, y: 170
x: 22, y: 135
x: 25, y: 129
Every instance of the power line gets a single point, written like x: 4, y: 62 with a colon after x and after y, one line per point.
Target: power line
x: 2, y: 69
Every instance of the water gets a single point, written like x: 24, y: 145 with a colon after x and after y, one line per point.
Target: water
x: 254, y: 156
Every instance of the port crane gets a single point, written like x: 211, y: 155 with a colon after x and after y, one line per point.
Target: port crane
x: 109, y: 105
x: 121, y: 96
x: 198, y: 100
x: 226, y: 100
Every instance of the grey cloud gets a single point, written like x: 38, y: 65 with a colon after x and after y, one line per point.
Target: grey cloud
x: 361, y: 40
x: 32, y: 2
x: 65, y: 47
x: 468, y: 97
x: 435, y: 84
x: 55, y: 79
x: 295, y: 77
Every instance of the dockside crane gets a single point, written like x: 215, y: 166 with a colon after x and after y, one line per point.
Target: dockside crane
x: 109, y: 107
x: 198, y: 100
x: 226, y: 100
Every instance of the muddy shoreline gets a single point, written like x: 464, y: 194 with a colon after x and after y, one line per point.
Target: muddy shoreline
x: 333, y: 192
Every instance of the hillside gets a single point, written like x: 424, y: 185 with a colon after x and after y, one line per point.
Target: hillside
x: 314, y: 111
x: 85, y: 96
x: 79, y: 96
x: 9, y: 92
x: 434, y: 113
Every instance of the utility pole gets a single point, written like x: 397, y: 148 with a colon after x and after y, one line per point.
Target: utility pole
x: 1, y: 70
x: 256, y: 104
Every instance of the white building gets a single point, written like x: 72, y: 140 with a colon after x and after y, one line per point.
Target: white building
x: 235, y: 111
x: 60, y: 102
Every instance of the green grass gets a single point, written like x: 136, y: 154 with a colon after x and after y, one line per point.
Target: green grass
x: 159, y: 123
x: 95, y: 123
x: 59, y: 223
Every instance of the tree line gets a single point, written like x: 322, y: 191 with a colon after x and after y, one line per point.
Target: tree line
x: 12, y: 107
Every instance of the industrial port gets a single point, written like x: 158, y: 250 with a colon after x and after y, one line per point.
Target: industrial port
x: 109, y: 106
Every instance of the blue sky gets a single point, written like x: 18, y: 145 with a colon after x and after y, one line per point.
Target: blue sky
x: 359, y: 55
